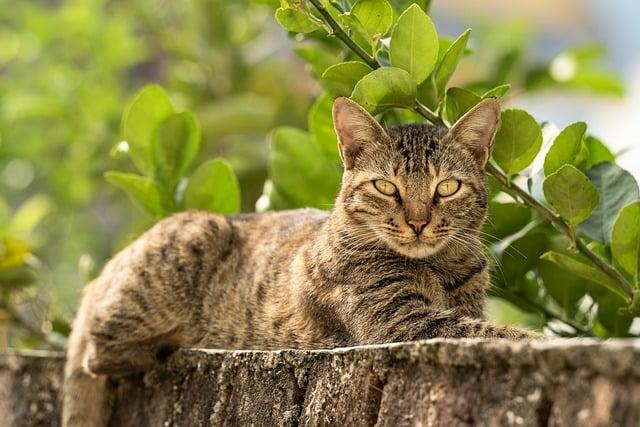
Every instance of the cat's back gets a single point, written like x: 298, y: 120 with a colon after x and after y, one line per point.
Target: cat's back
x: 281, y: 231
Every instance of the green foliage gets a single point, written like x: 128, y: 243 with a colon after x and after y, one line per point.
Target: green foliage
x: 345, y: 75
x: 163, y: 144
x: 568, y: 148
x: 619, y: 188
x: 63, y: 93
x: 571, y: 194
x: 414, y: 43
x: 374, y: 19
x: 385, y: 88
x: 448, y: 63
x: 213, y: 187
x: 517, y: 142
x: 457, y: 102
x: 625, y: 241
x: 302, y: 172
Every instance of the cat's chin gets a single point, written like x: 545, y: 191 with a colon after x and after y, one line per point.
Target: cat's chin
x: 415, y: 249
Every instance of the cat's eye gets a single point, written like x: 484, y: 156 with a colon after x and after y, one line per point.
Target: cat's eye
x: 385, y: 187
x: 448, y: 187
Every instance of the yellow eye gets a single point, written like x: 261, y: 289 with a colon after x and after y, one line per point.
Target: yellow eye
x: 385, y: 187
x: 448, y: 187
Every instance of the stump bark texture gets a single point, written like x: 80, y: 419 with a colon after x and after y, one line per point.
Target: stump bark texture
x: 437, y: 382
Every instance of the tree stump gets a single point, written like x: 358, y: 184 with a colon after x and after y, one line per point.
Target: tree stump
x: 436, y: 382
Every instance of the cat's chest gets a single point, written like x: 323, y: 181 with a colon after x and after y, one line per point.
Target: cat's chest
x: 405, y: 279
x: 430, y: 284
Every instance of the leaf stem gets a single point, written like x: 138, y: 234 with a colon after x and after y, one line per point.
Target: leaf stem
x: 339, y: 32
x: 428, y: 114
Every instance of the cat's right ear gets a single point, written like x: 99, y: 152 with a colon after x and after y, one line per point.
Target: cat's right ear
x: 356, y: 130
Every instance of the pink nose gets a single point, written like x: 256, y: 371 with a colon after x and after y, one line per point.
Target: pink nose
x: 417, y: 225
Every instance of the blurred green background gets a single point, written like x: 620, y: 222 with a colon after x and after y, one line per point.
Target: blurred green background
x: 68, y: 68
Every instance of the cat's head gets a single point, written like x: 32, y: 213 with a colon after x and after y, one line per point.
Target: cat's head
x: 417, y: 188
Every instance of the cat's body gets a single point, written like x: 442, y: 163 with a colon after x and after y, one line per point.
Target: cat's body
x: 394, y: 261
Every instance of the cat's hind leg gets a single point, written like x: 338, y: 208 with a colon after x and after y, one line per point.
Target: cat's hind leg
x: 149, y: 300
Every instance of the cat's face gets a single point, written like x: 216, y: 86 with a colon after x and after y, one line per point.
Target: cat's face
x: 416, y: 188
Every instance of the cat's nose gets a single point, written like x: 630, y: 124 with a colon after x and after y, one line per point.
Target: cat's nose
x: 417, y: 225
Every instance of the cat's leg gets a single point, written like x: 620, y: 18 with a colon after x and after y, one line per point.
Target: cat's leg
x: 425, y: 322
x: 150, y: 299
x: 406, y: 315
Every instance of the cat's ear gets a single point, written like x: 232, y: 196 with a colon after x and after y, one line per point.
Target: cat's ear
x: 356, y: 129
x: 476, y: 130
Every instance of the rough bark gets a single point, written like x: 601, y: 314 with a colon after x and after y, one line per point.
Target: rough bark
x: 439, y: 382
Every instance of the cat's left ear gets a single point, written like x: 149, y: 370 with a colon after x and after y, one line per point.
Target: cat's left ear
x: 476, y: 130
x: 357, y: 131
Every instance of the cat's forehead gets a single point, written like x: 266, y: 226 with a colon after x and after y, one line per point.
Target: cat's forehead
x: 416, y: 149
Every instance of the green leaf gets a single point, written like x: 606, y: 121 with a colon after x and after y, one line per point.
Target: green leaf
x: 141, y: 117
x: 449, y: 62
x: 517, y: 141
x: 175, y: 144
x: 563, y: 286
x: 300, y: 171
x: 321, y: 125
x: 566, y: 148
x: 571, y: 194
x: 375, y: 16
x: 522, y: 255
x: 625, y: 240
x: 296, y: 20
x: 598, y: 152
x: 13, y: 253
x: 345, y: 75
x: 610, y: 316
x: 497, y: 91
x: 618, y: 188
x: 317, y: 57
x: 142, y: 190
x: 506, y: 219
x: 584, y: 270
x: 31, y: 212
x: 457, y: 102
x: 414, y: 43
x: 385, y: 88
x: 357, y: 31
x: 213, y: 187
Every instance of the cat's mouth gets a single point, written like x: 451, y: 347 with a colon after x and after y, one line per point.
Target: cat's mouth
x: 416, y: 247
x: 418, y: 241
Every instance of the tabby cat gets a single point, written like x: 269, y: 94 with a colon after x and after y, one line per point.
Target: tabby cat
x: 397, y: 259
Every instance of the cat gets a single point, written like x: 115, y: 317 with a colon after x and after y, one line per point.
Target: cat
x: 398, y: 259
